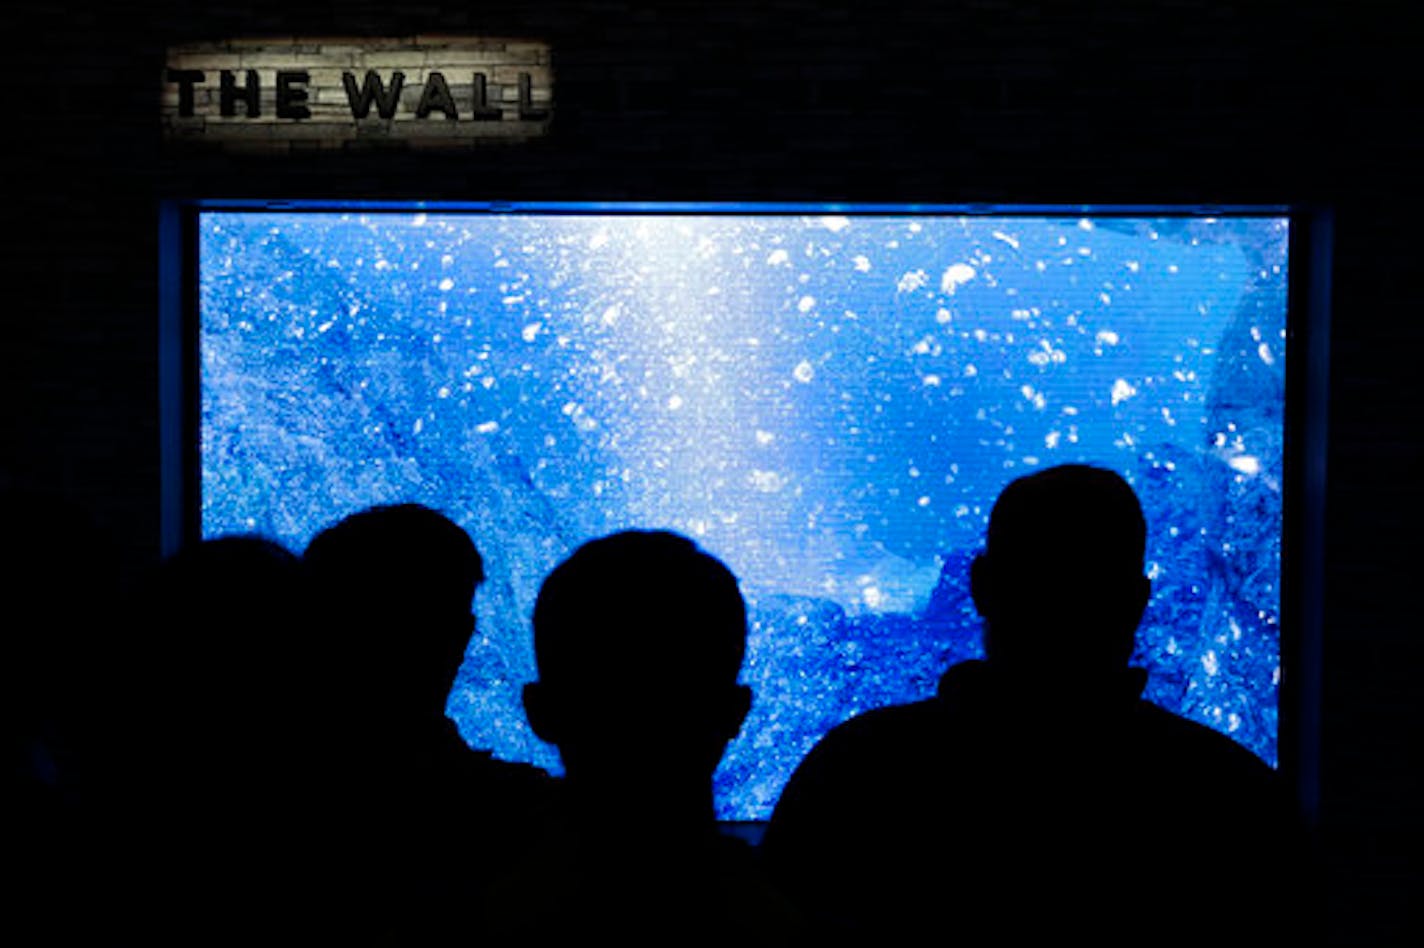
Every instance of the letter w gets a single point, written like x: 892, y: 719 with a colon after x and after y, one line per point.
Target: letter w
x: 372, y: 88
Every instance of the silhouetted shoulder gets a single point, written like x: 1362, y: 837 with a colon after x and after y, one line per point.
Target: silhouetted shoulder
x: 579, y: 883
x: 1193, y: 737
x: 851, y: 761
x: 839, y: 821
x: 898, y: 806
x: 504, y: 787
x: 1192, y: 761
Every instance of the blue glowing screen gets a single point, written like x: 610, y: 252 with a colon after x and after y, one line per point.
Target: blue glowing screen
x: 828, y: 403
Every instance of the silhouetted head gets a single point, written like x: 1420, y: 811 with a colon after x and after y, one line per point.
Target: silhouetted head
x: 394, y: 586
x: 229, y: 576
x: 223, y: 608
x: 1060, y: 583
x: 639, y: 639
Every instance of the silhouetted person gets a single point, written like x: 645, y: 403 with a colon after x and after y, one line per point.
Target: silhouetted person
x: 1038, y: 798
x: 639, y: 638
x: 422, y: 820
x: 207, y: 779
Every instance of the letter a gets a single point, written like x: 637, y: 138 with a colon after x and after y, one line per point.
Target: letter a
x: 436, y: 96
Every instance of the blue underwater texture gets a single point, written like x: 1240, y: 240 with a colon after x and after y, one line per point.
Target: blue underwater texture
x: 830, y: 404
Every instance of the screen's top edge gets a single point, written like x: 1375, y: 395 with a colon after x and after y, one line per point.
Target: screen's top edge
x: 748, y: 207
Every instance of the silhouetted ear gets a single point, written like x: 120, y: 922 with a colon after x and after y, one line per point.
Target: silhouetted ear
x: 1126, y: 615
x: 741, y: 705
x: 539, y: 709
x: 1143, y: 593
x: 980, y: 585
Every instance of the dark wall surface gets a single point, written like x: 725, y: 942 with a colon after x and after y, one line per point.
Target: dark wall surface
x: 949, y: 102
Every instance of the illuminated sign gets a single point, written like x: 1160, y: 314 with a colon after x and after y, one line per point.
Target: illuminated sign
x: 419, y: 92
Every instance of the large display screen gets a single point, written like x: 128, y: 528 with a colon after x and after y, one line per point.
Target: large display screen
x: 829, y: 402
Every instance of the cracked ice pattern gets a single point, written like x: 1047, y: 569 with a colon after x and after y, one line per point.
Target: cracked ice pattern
x: 830, y: 404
